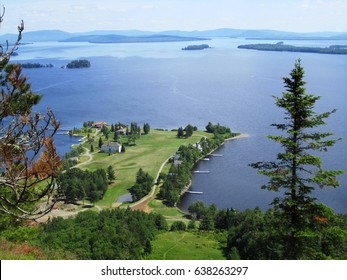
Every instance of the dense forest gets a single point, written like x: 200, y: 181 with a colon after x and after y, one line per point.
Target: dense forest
x: 76, y: 184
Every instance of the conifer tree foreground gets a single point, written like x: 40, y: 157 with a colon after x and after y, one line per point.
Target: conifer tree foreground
x: 29, y: 162
x: 298, y: 170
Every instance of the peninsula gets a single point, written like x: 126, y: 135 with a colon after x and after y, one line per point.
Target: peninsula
x: 280, y: 47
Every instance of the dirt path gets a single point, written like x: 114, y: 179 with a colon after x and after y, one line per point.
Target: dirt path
x: 174, y: 246
x: 142, y: 204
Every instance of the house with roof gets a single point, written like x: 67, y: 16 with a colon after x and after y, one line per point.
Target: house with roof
x: 122, y: 131
x: 99, y: 124
x: 111, y: 148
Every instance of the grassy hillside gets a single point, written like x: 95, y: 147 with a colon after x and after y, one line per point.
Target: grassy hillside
x: 186, y: 246
x: 149, y: 153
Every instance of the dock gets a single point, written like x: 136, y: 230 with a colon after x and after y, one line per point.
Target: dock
x: 201, y: 171
x: 216, y: 155
x: 194, y: 192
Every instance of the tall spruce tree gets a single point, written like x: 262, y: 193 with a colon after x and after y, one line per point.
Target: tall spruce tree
x: 298, y: 170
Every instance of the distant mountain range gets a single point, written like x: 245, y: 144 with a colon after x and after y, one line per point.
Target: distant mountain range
x: 129, y: 36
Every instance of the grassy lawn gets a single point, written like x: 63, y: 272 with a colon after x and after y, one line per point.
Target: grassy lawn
x: 149, y: 153
x: 186, y: 246
x: 168, y: 212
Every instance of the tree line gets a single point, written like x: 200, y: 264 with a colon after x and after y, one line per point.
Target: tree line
x: 75, y: 184
x: 258, y: 235
x: 109, y: 235
x: 180, y: 174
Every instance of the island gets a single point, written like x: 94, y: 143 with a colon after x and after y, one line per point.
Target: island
x: 196, y: 47
x: 81, y: 63
x: 281, y: 47
x: 36, y: 65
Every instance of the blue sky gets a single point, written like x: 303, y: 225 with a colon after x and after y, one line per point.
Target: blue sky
x: 157, y: 15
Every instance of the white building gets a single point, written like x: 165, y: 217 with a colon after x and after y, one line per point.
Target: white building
x: 111, y: 148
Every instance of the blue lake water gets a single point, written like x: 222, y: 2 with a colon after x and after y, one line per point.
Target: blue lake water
x: 166, y: 87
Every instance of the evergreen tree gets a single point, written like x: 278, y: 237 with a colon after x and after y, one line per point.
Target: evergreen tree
x: 111, y: 175
x: 180, y: 133
x: 146, y: 128
x: 100, y: 143
x: 297, y: 172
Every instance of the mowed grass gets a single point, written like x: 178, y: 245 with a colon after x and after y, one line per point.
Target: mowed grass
x: 149, y: 153
x: 185, y: 246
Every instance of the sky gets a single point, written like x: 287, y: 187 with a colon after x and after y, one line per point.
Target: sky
x: 159, y: 15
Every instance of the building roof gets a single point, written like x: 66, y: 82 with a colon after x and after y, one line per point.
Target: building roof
x: 111, y: 145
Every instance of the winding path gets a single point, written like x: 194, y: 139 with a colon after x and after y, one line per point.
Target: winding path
x: 149, y: 196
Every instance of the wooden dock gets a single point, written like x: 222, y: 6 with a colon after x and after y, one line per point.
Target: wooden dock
x: 194, y: 192
x: 216, y: 155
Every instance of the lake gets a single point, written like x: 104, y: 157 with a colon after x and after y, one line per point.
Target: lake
x: 160, y: 84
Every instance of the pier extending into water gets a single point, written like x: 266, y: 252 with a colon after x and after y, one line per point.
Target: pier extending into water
x: 194, y: 192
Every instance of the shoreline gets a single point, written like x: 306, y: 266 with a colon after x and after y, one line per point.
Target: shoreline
x: 185, y: 189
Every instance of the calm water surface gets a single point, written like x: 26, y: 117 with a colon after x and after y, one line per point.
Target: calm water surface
x: 166, y: 87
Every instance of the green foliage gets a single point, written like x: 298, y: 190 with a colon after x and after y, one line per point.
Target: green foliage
x: 28, y: 157
x: 81, y: 63
x: 180, y: 132
x: 178, y: 226
x: 217, y: 129
x: 198, y: 209
x: 111, y: 234
x: 143, y: 185
x: 180, y: 175
x: 111, y: 174
x: 297, y: 172
x: 146, y: 128
x: 189, y: 129
x: 100, y: 143
x: 76, y: 184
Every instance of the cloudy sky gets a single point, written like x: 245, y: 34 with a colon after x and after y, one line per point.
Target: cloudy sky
x: 157, y: 15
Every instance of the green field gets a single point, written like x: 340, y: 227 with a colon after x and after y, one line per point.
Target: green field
x: 149, y: 153
x: 186, y: 246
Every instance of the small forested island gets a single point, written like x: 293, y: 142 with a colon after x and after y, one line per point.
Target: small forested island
x: 196, y: 47
x: 36, y: 65
x: 281, y: 47
x: 80, y: 63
